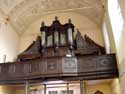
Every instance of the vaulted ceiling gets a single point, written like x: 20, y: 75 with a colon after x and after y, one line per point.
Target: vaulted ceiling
x: 21, y: 13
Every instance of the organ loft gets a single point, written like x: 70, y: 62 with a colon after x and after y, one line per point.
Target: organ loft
x: 60, y: 53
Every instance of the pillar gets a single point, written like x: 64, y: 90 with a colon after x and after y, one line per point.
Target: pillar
x: 26, y: 87
x: 106, y: 38
x: 44, y: 88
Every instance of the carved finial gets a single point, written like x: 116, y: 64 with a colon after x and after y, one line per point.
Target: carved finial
x: 42, y: 24
x: 56, y: 18
x: 69, y: 21
x: 78, y: 32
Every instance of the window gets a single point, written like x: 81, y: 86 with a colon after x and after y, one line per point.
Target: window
x: 115, y: 18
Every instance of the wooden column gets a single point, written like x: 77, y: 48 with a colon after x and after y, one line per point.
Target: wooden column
x: 67, y: 88
x: 44, y: 88
x: 26, y: 87
x: 81, y: 87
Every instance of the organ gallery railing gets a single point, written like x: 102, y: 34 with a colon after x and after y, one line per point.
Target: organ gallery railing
x: 74, y: 68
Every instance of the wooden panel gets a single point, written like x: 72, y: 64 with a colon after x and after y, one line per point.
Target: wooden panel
x: 96, y: 63
x: 53, y: 66
x: 69, y: 66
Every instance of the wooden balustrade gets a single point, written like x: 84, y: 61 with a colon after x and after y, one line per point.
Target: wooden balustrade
x: 75, y: 68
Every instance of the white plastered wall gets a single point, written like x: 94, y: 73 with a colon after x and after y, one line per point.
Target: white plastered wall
x: 9, y: 42
x: 117, y: 41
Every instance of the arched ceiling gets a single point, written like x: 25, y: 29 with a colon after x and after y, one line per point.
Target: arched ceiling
x: 21, y: 13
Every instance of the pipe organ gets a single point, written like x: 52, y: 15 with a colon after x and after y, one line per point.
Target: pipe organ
x: 59, y: 55
x: 59, y: 40
x: 57, y: 36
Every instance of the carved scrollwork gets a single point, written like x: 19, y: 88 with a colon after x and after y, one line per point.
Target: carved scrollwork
x: 69, y: 64
x: 105, y: 62
x: 51, y: 65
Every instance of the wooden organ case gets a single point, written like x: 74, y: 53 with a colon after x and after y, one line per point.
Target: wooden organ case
x: 59, y: 40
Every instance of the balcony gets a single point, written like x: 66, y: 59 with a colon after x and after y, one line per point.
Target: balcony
x: 89, y: 67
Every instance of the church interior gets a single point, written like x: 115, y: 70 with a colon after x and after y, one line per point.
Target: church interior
x: 62, y: 46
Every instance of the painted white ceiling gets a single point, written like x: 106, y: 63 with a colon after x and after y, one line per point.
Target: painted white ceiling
x: 21, y: 13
